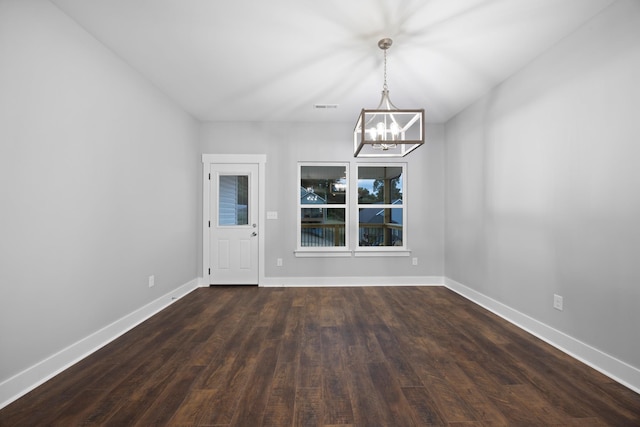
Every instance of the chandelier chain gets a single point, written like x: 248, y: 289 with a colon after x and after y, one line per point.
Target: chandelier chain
x: 384, y: 85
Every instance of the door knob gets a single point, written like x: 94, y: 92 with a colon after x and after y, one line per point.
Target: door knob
x: 254, y: 234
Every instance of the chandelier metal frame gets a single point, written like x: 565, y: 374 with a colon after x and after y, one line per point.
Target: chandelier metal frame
x: 387, y: 131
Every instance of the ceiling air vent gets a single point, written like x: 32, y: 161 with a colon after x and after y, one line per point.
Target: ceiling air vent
x: 325, y: 106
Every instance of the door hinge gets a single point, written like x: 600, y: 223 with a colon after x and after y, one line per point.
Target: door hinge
x: 209, y: 272
x: 209, y: 177
x: 209, y: 224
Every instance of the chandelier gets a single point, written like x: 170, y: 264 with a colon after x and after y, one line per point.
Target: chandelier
x: 387, y: 131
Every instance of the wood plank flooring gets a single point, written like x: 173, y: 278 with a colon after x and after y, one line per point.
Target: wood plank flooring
x: 374, y: 356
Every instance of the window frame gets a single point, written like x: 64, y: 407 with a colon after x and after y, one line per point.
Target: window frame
x: 318, y: 251
x: 362, y: 250
x: 352, y: 207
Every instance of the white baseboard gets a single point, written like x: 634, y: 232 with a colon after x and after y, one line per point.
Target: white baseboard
x: 615, y: 369
x: 352, y: 281
x: 25, y: 381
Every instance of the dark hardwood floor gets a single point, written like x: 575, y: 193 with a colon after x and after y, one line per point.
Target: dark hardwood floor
x: 376, y: 356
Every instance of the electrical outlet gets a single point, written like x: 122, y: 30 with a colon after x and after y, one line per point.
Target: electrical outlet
x: 414, y: 261
x: 279, y: 262
x: 557, y: 302
x: 152, y: 281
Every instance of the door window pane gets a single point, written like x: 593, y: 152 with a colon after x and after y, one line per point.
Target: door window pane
x: 233, y: 208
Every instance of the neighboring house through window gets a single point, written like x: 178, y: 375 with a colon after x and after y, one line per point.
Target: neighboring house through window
x: 322, y: 207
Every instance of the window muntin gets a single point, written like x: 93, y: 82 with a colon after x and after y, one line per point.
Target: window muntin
x: 322, y: 206
x: 381, y: 210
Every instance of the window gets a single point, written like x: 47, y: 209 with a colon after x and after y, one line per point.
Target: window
x: 233, y: 200
x: 322, y: 206
x: 332, y: 221
x: 381, y: 212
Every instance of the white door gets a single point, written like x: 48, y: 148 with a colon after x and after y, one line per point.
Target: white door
x: 234, y: 224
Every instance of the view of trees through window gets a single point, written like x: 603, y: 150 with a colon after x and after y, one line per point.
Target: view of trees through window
x: 372, y: 190
x: 383, y: 225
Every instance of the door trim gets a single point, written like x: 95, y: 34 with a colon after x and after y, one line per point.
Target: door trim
x: 207, y: 161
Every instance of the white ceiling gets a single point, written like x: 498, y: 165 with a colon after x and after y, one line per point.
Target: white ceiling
x: 253, y: 60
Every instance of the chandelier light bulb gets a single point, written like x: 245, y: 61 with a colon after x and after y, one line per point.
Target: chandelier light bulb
x: 395, y: 131
x: 382, y: 132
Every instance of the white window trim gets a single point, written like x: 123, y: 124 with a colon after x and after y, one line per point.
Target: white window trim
x: 383, y: 253
x: 311, y: 253
x: 372, y: 251
x: 323, y: 251
x: 352, y: 246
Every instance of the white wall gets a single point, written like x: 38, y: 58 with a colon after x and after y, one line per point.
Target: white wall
x: 286, y: 144
x: 98, y: 186
x: 543, y: 187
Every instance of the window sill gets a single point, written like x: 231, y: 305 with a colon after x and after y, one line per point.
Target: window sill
x: 382, y: 252
x: 348, y: 253
x: 322, y: 254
